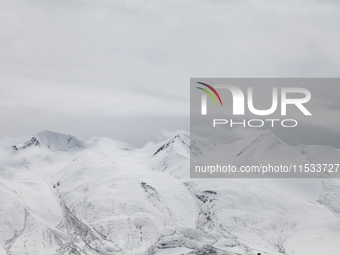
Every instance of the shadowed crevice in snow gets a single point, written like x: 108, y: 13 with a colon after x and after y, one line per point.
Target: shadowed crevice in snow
x: 83, y: 238
x: 208, y: 249
x: 10, y: 242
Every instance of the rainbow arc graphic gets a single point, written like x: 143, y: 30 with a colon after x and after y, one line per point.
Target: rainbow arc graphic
x: 209, y: 92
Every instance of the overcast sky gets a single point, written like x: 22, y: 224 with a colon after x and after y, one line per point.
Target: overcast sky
x: 322, y: 127
x: 121, y: 69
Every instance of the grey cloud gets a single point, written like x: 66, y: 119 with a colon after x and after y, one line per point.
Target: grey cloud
x: 122, y: 60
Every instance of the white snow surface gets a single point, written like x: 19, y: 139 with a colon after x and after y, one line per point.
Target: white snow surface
x: 63, y: 195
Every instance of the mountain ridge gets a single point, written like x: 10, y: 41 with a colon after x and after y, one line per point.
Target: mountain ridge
x: 51, y: 140
x: 103, y: 199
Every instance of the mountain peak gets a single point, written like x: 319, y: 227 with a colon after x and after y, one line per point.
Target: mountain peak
x: 262, y: 141
x: 267, y: 135
x: 52, y: 140
x: 181, y: 138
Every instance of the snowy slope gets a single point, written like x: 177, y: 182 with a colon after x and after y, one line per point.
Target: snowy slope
x: 63, y: 195
x: 265, y: 148
x: 51, y: 140
x: 172, y: 156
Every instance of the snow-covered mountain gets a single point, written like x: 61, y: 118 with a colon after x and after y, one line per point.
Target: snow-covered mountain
x: 51, y: 140
x: 63, y: 195
x: 265, y: 148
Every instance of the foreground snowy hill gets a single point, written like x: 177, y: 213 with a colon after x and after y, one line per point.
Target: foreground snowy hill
x: 63, y: 195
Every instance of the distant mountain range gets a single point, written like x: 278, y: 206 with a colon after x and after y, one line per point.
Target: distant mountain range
x: 63, y: 195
